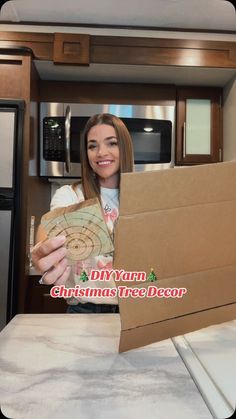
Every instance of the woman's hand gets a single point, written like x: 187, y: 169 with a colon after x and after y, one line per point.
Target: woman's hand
x: 49, y: 258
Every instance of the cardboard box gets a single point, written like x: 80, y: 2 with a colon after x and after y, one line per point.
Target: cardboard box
x: 182, y: 223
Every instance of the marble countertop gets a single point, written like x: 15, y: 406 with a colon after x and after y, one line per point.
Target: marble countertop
x: 68, y: 366
x: 210, y: 356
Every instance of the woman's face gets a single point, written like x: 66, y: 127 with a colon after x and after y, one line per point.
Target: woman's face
x: 104, y: 155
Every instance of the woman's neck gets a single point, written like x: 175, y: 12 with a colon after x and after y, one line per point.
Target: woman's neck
x: 111, y: 182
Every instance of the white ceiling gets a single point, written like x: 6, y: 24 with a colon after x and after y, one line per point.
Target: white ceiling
x: 136, y: 74
x: 188, y: 14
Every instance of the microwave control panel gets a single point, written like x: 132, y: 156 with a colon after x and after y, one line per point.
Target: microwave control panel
x: 54, y: 139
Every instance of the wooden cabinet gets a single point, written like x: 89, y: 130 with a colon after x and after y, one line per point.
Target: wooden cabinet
x: 71, y: 49
x: 199, y: 125
x: 38, y: 299
x: 19, y: 80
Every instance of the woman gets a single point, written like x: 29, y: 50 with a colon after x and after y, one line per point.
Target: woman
x: 106, y: 151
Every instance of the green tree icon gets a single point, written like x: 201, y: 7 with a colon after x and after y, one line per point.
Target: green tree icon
x: 152, y: 277
x: 83, y: 276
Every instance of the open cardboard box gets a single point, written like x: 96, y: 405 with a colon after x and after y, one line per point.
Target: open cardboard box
x: 182, y: 223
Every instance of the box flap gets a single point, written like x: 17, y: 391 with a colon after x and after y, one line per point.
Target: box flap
x: 182, y: 223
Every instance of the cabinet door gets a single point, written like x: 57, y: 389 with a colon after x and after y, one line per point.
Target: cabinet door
x: 38, y: 299
x: 199, y: 125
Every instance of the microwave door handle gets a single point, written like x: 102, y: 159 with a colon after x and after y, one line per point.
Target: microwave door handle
x: 67, y: 137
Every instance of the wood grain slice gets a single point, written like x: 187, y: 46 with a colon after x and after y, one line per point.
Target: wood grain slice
x: 85, y: 229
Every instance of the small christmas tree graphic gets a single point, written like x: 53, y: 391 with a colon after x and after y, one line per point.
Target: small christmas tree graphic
x: 152, y: 277
x: 83, y: 276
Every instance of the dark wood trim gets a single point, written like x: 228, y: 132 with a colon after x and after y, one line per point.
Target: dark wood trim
x: 71, y: 49
x: 24, y: 36
x: 92, y: 92
x: 40, y: 43
x: 154, y: 51
x: 160, y: 42
x: 127, y: 27
x: 16, y: 50
x: 134, y: 50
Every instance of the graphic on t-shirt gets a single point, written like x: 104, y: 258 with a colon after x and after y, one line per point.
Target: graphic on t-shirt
x: 107, y: 209
x: 85, y: 229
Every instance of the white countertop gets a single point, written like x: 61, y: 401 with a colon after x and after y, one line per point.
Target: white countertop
x: 68, y: 366
x: 214, y: 349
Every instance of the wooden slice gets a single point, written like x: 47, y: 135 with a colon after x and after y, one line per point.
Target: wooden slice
x: 85, y: 229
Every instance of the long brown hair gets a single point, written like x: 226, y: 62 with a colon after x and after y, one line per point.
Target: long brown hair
x: 90, y: 184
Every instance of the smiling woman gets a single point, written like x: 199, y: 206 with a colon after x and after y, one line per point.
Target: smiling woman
x: 106, y: 151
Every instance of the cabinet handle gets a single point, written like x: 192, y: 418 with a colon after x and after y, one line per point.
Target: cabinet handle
x: 67, y: 137
x: 184, y: 140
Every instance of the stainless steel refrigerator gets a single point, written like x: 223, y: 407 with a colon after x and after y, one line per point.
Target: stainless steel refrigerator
x: 11, y: 144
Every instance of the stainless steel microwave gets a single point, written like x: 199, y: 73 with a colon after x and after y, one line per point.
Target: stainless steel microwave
x: 151, y: 127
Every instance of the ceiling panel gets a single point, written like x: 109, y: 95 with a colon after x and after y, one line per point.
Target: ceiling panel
x: 136, y: 74
x: 188, y: 14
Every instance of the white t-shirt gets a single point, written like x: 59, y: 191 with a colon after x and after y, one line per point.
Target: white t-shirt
x: 66, y: 196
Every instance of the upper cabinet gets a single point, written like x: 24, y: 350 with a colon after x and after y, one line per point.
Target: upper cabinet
x: 199, y: 125
x: 86, y: 49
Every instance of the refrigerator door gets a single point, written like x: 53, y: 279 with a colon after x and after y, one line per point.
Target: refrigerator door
x: 7, y: 124
x: 11, y: 142
x: 5, y: 250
